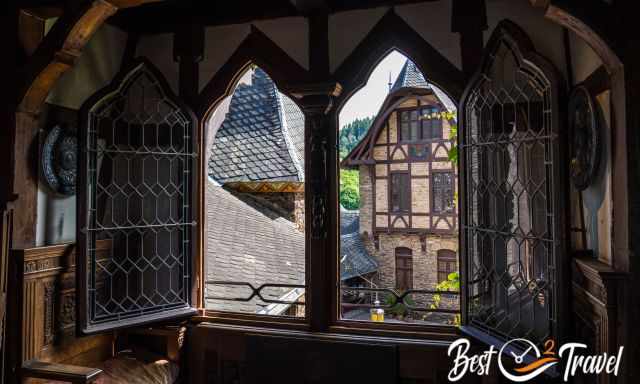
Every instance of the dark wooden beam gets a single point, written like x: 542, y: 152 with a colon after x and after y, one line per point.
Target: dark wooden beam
x: 257, y: 49
x: 188, y: 51
x: 166, y: 17
x: 390, y: 33
x: 598, y: 81
x: 469, y: 19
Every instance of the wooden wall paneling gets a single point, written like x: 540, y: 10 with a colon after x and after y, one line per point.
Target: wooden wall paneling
x: 5, y: 246
x: 25, y: 178
x: 43, y: 309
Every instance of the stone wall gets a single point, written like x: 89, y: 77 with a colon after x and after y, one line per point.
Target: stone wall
x: 366, y: 201
x: 425, y: 264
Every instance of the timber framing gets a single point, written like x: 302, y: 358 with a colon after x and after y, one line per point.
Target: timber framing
x: 63, y: 45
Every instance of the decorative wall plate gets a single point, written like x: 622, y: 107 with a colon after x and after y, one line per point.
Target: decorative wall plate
x: 59, y: 160
x: 585, y: 138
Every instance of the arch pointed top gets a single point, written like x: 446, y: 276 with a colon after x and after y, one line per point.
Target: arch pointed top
x: 393, y: 33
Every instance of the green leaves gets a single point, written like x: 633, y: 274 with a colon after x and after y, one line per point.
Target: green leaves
x: 351, y: 134
x: 349, y: 189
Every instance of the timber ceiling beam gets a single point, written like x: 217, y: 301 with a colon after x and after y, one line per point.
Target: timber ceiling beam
x: 61, y: 47
x: 166, y: 17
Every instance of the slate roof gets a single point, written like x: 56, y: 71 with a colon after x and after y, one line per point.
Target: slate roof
x: 354, y: 257
x: 410, y: 76
x: 245, y: 244
x: 261, y: 138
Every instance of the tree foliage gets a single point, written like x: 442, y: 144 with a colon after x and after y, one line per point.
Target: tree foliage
x: 349, y: 189
x: 350, y: 136
x: 352, y: 133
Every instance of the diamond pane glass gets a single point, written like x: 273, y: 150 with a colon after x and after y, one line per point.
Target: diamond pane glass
x: 509, y: 160
x: 138, y: 233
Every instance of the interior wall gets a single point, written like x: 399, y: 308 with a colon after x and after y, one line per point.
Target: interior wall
x: 546, y: 35
x: 96, y: 67
x: 596, y: 211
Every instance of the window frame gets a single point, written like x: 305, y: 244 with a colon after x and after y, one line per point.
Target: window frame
x: 84, y: 324
x: 405, y: 193
x: 446, y: 257
x: 528, y: 61
x: 421, y: 124
x: 406, y: 254
x: 432, y: 195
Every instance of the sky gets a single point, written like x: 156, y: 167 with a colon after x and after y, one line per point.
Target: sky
x: 369, y: 98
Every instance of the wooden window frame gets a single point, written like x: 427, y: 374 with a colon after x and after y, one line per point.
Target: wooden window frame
x: 421, y: 124
x: 406, y: 254
x: 406, y: 194
x: 432, y: 196
x: 446, y: 257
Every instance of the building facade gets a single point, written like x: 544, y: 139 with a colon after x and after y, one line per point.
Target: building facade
x: 408, y: 214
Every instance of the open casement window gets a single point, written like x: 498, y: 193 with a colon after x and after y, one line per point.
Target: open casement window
x: 135, y: 203
x: 512, y: 194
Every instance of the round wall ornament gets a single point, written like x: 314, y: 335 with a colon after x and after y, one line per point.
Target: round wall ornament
x: 59, y: 160
x: 585, y: 138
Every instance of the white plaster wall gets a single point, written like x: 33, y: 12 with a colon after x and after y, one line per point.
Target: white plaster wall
x: 99, y: 63
x: 291, y: 34
x: 158, y: 49
x: 432, y: 21
x: 546, y: 35
x: 346, y: 31
x: 220, y: 43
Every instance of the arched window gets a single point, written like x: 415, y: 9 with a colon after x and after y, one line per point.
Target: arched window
x: 404, y: 268
x: 447, y: 263
x: 513, y: 191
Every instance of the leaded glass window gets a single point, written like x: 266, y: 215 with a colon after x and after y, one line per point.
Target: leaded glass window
x: 136, y: 218
x: 512, y: 192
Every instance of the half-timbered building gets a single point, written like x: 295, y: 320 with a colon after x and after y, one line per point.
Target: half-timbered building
x: 408, y: 214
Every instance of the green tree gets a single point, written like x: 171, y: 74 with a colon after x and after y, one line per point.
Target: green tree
x: 350, y: 135
x: 349, y: 189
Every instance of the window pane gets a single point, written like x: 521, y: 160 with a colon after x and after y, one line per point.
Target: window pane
x: 400, y: 192
x: 254, y: 201
x: 137, y: 240
x: 404, y: 134
x: 414, y: 131
x: 442, y: 192
x: 510, y: 236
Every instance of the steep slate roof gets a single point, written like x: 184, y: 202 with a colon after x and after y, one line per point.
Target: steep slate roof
x: 245, y: 244
x: 409, y: 77
x: 354, y: 258
x: 409, y: 83
x: 261, y: 138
